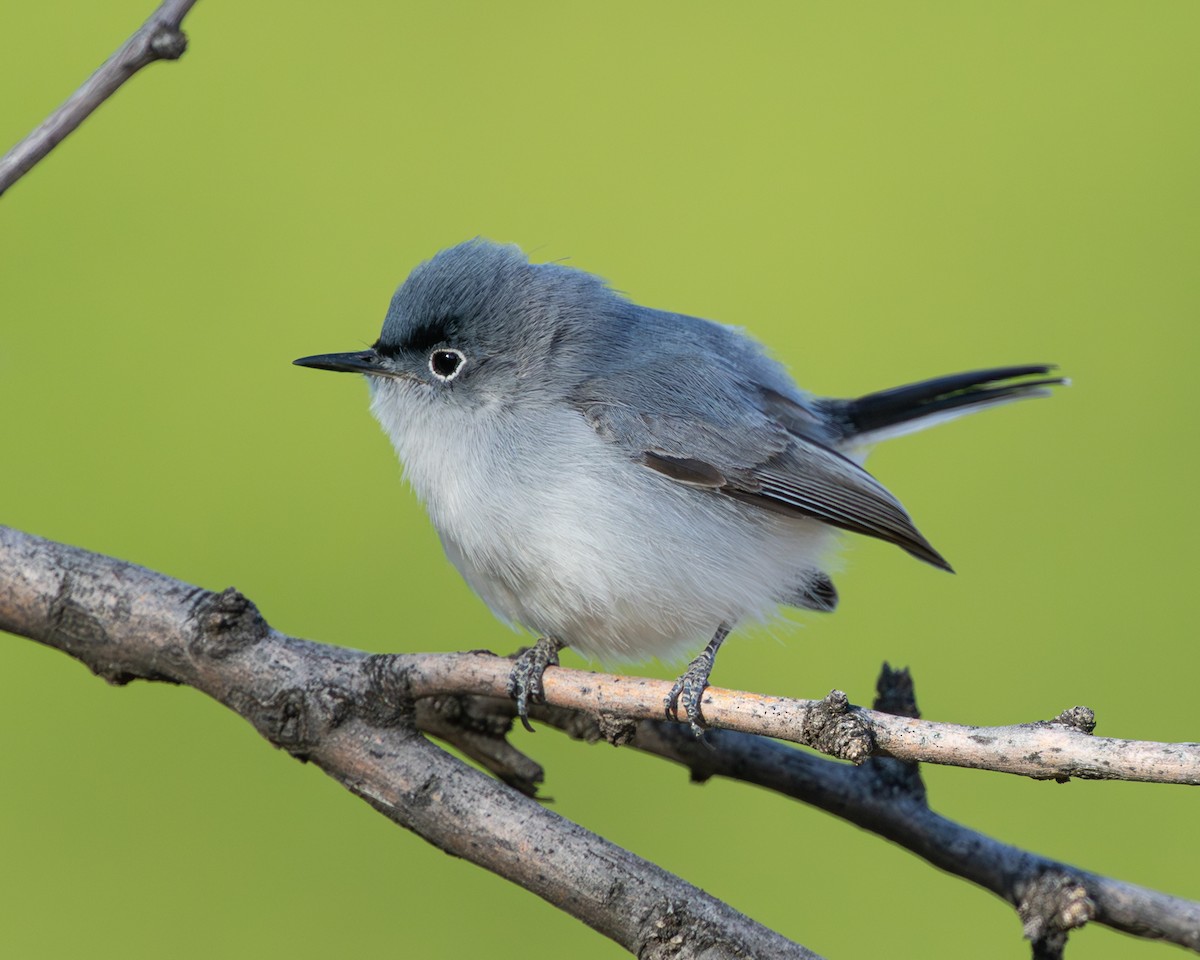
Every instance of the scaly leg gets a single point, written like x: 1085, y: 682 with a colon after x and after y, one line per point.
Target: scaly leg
x: 525, y: 678
x: 690, y: 687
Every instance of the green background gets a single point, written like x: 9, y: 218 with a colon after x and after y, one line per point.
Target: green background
x: 881, y: 191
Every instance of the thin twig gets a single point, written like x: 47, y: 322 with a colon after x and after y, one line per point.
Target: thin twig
x: 159, y: 38
x: 1055, y: 749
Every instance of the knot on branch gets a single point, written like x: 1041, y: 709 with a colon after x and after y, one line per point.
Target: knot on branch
x: 1051, y: 905
x: 1078, y: 718
x: 73, y: 626
x: 284, y: 721
x: 671, y: 930
x: 168, y: 43
x: 296, y: 719
x: 225, y: 623
x: 389, y: 700
x: 615, y: 729
x: 834, y: 729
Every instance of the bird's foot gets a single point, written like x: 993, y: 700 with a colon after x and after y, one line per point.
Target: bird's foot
x: 525, y: 678
x: 687, y: 693
x: 689, y: 688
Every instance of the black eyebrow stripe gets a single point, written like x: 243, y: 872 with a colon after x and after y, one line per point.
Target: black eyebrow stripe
x: 420, y: 338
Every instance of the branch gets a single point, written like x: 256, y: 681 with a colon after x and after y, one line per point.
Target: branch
x: 887, y: 797
x: 352, y: 714
x: 159, y: 38
x: 357, y: 715
x: 1055, y: 749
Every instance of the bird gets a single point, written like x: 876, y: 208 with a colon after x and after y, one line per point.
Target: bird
x: 629, y: 482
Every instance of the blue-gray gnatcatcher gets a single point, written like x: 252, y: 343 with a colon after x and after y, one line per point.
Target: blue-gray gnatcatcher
x: 625, y: 481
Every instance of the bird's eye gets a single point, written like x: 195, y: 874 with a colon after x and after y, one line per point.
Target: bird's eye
x: 446, y: 364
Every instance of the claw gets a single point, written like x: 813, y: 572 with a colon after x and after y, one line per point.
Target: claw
x: 525, y: 678
x: 689, y: 689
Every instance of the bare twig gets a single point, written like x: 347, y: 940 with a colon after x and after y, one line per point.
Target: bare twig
x: 159, y: 38
x: 1045, y: 750
x: 876, y: 798
x: 356, y: 716
x: 887, y: 797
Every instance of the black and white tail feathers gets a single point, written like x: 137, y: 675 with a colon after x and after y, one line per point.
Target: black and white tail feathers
x: 889, y: 413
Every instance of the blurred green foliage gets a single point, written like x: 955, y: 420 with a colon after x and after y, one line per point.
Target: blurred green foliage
x: 881, y: 191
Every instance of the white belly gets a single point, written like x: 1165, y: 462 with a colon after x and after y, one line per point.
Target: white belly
x: 559, y: 531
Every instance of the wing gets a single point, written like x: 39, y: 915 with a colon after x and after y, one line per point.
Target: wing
x: 696, y: 420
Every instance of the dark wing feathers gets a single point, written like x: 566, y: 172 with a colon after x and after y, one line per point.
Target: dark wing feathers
x: 695, y: 473
x: 746, y: 442
x: 815, y: 482
x: 844, y: 495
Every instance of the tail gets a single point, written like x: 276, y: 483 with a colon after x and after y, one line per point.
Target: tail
x: 891, y: 413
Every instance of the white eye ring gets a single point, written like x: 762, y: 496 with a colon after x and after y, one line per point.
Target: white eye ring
x: 446, y: 363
